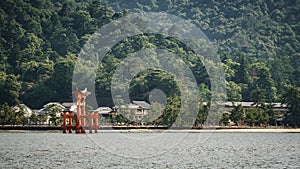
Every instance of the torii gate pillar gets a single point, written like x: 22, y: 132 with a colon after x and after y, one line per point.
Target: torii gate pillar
x: 80, y: 102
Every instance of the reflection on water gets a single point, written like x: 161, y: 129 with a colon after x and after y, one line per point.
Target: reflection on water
x: 150, y: 150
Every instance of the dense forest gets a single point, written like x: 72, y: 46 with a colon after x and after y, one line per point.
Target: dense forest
x: 258, y: 42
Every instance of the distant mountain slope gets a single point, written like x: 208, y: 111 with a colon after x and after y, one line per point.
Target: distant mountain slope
x: 258, y: 42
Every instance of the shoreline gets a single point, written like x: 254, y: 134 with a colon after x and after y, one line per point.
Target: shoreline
x: 233, y: 129
x: 295, y: 130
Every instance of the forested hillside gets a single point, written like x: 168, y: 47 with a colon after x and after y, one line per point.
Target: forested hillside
x: 258, y: 42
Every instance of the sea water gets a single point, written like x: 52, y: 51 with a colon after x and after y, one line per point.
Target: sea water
x: 150, y: 150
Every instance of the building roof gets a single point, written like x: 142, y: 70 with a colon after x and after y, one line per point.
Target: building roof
x: 244, y: 104
x: 134, y: 106
x: 53, y: 104
x: 252, y: 104
x: 27, y: 111
x: 279, y: 105
x: 142, y: 103
x: 68, y: 104
x: 103, y: 110
x: 50, y: 105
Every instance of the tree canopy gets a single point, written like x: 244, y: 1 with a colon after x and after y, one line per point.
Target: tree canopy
x: 258, y: 42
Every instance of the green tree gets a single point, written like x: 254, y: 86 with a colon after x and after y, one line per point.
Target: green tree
x: 243, y: 71
x: 292, y: 99
x: 171, y: 111
x: 263, y: 82
x: 250, y: 118
x: 259, y: 40
x: 257, y: 116
x: 9, y: 89
x: 242, y: 76
x: 234, y: 91
x: 156, y: 110
x: 6, y: 114
x: 295, y: 62
x: 36, y: 71
x: 53, y: 111
x: 83, y: 23
x: 202, y: 115
x: 37, y: 95
x: 272, y: 114
x: 230, y: 67
x: 237, y: 115
x: 61, y: 81
x: 225, y: 120
x: 32, y: 49
x: 34, y: 119
x: 258, y: 96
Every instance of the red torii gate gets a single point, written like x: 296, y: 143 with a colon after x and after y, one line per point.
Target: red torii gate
x: 80, y: 117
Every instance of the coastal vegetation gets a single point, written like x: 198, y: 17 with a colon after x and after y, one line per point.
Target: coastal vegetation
x: 258, y: 43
